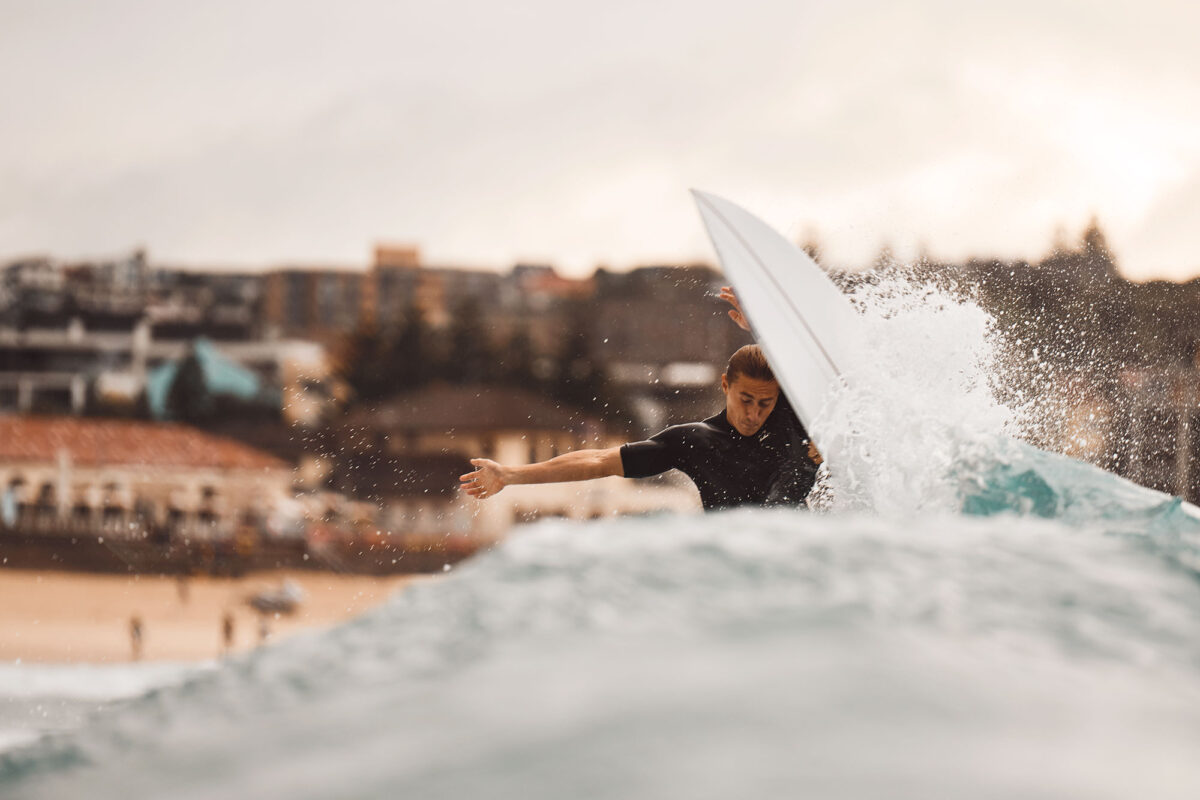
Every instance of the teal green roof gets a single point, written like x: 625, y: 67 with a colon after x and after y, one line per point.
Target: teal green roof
x: 222, y: 376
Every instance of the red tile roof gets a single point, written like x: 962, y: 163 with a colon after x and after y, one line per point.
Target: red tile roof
x: 120, y: 442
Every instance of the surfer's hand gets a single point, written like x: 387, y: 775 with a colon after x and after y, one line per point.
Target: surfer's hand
x: 485, y: 481
x: 814, y: 454
x: 735, y: 313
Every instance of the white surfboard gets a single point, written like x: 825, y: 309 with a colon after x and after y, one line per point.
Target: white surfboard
x: 800, y: 318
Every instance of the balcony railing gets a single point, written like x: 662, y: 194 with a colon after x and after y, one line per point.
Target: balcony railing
x: 119, y: 525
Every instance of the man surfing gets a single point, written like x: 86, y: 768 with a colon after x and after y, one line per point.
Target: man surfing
x: 755, y: 452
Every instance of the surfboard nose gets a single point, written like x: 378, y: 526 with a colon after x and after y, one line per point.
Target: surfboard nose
x: 802, y: 320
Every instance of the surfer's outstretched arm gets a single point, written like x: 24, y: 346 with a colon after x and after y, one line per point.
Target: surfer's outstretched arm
x: 490, y: 477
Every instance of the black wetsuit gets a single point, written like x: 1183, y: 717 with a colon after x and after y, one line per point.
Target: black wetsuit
x: 771, y: 467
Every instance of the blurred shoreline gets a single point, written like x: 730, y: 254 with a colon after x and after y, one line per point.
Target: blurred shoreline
x: 73, y: 617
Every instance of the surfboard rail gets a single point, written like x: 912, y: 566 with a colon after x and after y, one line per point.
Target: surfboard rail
x: 803, y: 322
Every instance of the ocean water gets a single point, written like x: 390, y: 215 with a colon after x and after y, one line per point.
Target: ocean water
x: 967, y: 617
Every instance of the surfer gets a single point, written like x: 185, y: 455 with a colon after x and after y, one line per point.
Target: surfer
x: 755, y: 452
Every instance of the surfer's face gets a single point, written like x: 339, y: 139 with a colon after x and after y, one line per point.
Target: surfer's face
x: 748, y: 402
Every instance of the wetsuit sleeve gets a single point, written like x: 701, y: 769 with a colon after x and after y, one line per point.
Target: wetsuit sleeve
x: 657, y: 454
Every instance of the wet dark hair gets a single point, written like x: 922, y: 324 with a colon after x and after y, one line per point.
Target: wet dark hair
x: 751, y: 362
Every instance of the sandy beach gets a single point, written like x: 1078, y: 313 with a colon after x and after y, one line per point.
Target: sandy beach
x: 63, y: 617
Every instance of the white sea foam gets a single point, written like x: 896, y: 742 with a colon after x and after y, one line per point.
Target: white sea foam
x: 92, y: 681
x: 41, y: 699
x: 919, y: 397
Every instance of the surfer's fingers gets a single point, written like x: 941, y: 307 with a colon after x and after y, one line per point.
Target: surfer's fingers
x: 479, y: 493
x: 729, y: 297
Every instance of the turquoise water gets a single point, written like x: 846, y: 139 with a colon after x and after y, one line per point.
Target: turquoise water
x: 752, y: 653
x: 1022, y: 480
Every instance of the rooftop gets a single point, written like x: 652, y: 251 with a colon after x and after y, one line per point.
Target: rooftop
x: 101, y: 442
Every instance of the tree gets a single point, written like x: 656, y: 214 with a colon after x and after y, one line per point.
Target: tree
x: 811, y: 245
x: 1097, y: 259
x: 188, y: 399
x: 580, y: 377
x: 471, y: 358
x: 413, y: 362
x: 517, y: 361
x: 362, y: 362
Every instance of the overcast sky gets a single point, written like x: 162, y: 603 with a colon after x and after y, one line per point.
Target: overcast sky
x: 250, y: 134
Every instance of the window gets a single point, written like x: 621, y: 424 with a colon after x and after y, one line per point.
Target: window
x: 47, y: 499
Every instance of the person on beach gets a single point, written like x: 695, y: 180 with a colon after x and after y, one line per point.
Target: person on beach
x: 227, y: 633
x: 135, y: 637
x: 755, y: 452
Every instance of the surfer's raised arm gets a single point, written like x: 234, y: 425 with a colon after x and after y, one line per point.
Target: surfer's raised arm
x: 736, y: 314
x: 490, y: 477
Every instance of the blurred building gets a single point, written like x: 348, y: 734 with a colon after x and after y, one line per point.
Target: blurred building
x: 63, y: 474
x: 86, y: 337
x: 217, y: 305
x: 1155, y: 429
x: 322, y: 304
x: 398, y: 283
x: 394, y: 287
x: 407, y: 453
x: 664, y: 339
x: 535, y: 301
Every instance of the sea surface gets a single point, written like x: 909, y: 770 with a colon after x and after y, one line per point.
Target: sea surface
x: 966, y: 616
